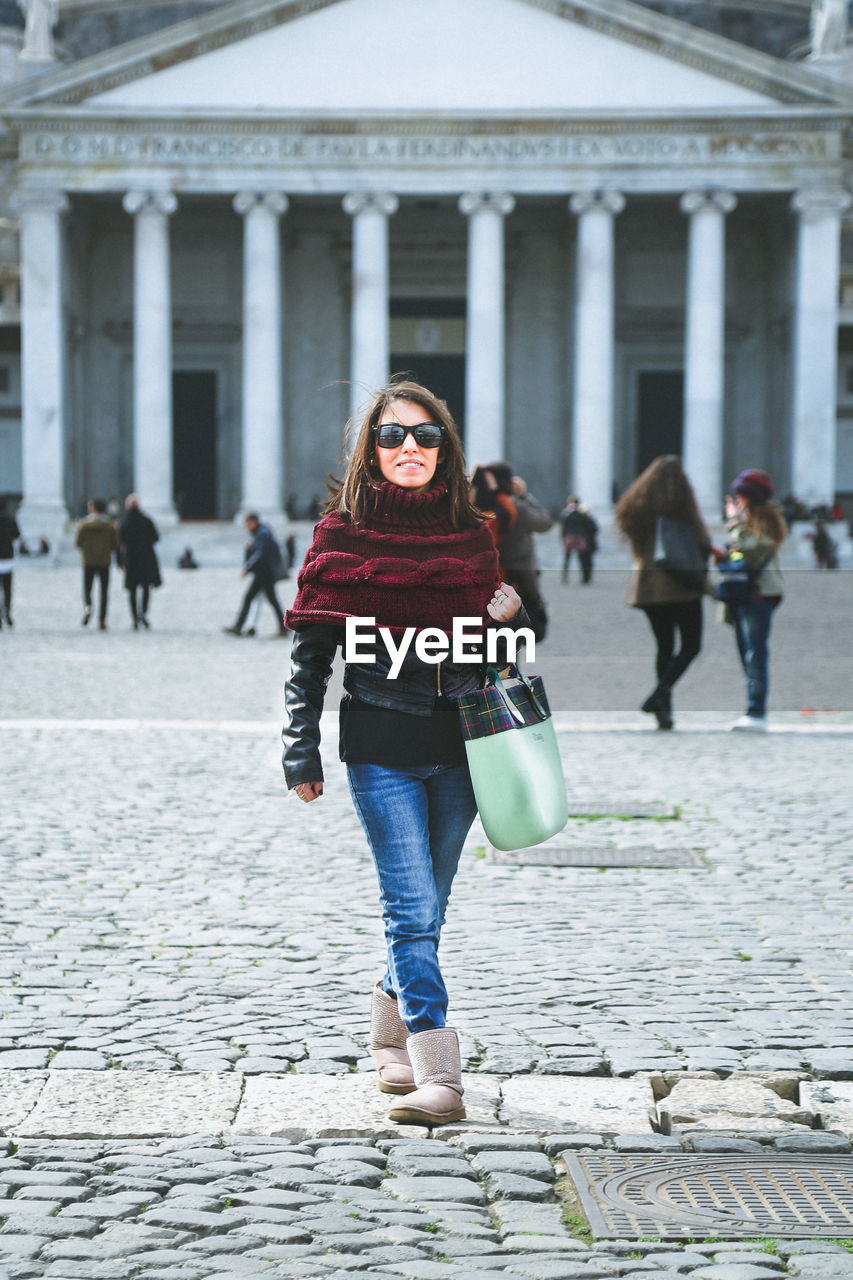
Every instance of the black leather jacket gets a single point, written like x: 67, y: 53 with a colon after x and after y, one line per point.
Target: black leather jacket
x: 415, y: 689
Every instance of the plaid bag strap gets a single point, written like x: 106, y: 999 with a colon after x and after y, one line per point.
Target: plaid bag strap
x: 493, y: 677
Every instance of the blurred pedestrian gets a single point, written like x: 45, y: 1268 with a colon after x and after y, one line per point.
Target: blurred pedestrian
x: 138, y: 534
x: 517, y: 548
x: 42, y: 547
x: 187, y: 560
x: 263, y: 565
x: 672, y: 607
x: 824, y: 547
x: 9, y: 534
x: 497, y: 507
x: 592, y: 542
x: 97, y: 538
x: 579, y: 535
x: 757, y: 530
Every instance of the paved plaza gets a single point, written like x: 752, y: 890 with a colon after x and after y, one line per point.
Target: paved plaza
x: 187, y: 955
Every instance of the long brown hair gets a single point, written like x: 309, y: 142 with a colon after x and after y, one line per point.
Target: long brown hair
x: 661, y: 490
x: 766, y: 521
x: 350, y: 496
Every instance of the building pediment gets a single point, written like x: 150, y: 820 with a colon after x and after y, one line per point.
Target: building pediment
x: 357, y: 57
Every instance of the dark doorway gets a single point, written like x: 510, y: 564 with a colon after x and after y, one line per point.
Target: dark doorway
x: 194, y: 443
x: 660, y: 414
x: 443, y: 375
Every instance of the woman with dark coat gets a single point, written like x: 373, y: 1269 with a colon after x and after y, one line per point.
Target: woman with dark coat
x: 670, y: 606
x: 137, y: 556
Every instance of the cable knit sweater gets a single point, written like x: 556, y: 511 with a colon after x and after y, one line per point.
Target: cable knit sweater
x: 407, y: 565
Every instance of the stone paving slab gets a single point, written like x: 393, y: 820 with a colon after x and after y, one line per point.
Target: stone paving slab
x: 106, y: 1104
x: 139, y: 1103
x: 737, y: 1103
x: 342, y: 1106
x: 19, y: 1093
x: 78, y: 1104
x: 832, y: 1100
x: 560, y: 1104
x: 730, y: 1124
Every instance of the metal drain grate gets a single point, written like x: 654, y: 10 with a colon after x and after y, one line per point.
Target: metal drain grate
x: 686, y: 1196
x: 584, y: 807
x: 546, y: 855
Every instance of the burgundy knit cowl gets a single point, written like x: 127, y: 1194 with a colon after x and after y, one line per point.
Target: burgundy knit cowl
x: 405, y: 566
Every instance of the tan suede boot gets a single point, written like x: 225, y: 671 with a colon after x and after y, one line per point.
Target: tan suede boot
x: 388, y: 1037
x: 438, y: 1074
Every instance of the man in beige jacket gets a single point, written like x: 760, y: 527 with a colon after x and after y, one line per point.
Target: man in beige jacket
x: 97, y: 538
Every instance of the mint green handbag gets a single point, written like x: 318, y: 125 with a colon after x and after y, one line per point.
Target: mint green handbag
x: 514, y: 760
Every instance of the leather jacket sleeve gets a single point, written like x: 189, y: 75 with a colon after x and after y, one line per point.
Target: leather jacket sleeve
x: 311, y: 657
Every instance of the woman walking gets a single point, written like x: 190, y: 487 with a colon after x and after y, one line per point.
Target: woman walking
x: 671, y: 607
x: 757, y: 530
x: 137, y: 556
x: 400, y: 543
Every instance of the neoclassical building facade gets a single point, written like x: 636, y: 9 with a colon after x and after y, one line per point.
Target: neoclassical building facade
x: 599, y: 232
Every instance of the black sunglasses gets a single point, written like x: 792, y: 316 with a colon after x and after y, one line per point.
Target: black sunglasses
x: 390, y: 435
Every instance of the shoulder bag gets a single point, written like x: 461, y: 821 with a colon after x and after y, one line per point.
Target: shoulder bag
x: 739, y: 580
x: 514, y: 760
x: 677, y: 552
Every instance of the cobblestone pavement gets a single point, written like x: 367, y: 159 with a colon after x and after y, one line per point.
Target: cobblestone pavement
x: 168, y: 913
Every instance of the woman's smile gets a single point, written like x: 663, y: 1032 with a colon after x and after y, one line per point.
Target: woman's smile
x: 413, y: 465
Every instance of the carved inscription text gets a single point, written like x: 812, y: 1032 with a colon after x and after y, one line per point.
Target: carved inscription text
x: 465, y: 150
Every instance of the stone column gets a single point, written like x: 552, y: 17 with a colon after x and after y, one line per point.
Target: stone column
x: 43, y: 509
x: 263, y: 445
x: 592, y: 452
x: 705, y: 346
x: 369, y: 348
x: 815, y: 343
x: 485, y: 373
x: 152, y: 352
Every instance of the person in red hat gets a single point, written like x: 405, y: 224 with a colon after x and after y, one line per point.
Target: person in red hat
x: 757, y: 530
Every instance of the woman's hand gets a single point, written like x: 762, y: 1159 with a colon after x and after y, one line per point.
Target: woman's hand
x: 308, y: 791
x: 504, y: 604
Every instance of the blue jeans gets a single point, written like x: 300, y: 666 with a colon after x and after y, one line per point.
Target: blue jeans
x: 752, y: 630
x: 416, y: 819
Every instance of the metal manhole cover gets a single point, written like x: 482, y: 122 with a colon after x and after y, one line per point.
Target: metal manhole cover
x: 546, y: 855
x: 687, y: 1196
